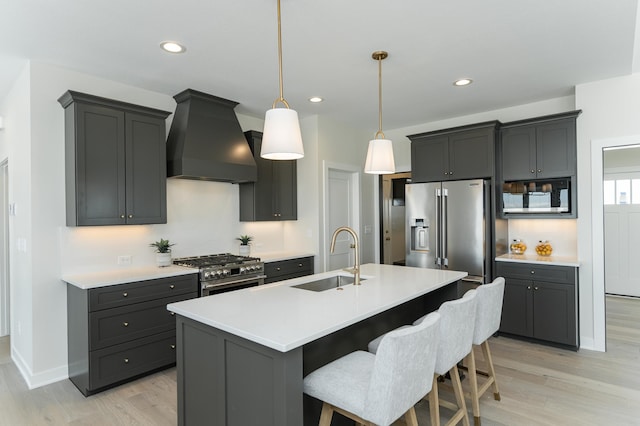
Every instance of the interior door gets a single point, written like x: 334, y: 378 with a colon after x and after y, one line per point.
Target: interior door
x: 340, y: 213
x: 622, y: 233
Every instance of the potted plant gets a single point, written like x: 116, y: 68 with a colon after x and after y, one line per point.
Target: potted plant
x: 163, y: 252
x: 244, y: 249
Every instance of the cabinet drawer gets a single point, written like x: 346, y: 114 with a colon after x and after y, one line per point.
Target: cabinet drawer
x: 120, y: 362
x: 285, y: 268
x: 534, y: 272
x: 141, y: 291
x: 119, y: 325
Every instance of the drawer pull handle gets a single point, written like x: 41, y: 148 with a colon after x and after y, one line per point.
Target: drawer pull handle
x: 277, y: 269
x: 125, y: 324
x: 173, y: 314
x: 533, y: 272
x: 172, y: 286
x: 299, y: 265
x: 125, y: 294
x: 126, y: 360
x: 173, y: 346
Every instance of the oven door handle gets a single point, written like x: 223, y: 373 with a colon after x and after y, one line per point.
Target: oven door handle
x: 253, y: 278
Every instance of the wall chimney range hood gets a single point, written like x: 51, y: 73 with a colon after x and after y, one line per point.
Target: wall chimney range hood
x: 206, y: 141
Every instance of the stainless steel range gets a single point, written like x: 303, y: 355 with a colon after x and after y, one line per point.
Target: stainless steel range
x: 224, y: 272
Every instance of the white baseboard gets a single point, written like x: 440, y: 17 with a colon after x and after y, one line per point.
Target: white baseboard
x: 588, y: 343
x: 40, y: 379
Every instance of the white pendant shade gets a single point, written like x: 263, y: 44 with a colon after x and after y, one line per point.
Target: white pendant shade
x: 380, y: 157
x: 281, y: 138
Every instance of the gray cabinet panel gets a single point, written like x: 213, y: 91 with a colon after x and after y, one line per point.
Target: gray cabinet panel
x: 556, y: 149
x: 287, y: 269
x: 115, y: 161
x: 518, y: 153
x: 102, y: 350
x: 466, y: 152
x: 540, y: 302
x: 274, y: 196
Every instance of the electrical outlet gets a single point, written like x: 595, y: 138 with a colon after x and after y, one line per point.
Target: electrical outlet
x: 124, y: 260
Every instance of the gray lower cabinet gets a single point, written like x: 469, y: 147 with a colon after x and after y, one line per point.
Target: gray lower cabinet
x: 466, y: 152
x: 116, y: 333
x: 539, y: 148
x: 286, y: 269
x: 274, y: 196
x: 540, y: 302
x: 115, y: 156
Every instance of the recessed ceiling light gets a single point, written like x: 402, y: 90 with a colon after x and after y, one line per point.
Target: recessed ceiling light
x: 172, y: 47
x: 315, y: 99
x: 463, y: 82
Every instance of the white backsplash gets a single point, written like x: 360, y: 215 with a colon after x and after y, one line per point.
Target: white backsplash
x: 561, y: 233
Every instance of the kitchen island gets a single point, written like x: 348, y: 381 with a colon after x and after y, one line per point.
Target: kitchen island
x: 242, y: 355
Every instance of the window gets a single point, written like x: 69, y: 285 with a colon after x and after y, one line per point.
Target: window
x: 621, y: 191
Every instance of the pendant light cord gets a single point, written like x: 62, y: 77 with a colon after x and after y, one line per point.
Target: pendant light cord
x: 379, y: 132
x: 281, y: 98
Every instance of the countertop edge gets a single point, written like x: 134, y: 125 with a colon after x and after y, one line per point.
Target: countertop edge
x: 539, y: 260
x: 280, y: 256
x: 91, y: 280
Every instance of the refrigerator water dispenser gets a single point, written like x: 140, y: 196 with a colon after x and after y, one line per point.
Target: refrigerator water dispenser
x: 419, y: 235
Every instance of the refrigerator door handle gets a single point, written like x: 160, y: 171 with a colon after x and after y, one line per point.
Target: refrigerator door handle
x: 438, y: 230
x: 444, y: 221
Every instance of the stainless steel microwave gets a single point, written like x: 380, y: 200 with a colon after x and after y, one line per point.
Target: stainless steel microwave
x: 537, y: 197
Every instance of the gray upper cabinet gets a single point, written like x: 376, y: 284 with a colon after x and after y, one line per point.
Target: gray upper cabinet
x: 274, y: 196
x: 465, y: 152
x: 115, y: 162
x: 539, y: 148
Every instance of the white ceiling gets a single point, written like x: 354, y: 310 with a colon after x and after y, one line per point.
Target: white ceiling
x: 515, y: 51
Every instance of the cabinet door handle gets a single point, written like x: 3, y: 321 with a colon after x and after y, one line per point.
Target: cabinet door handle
x: 533, y: 272
x: 173, y: 314
x: 172, y: 286
x: 535, y: 288
x: 278, y: 268
x: 528, y: 287
x: 539, y: 170
x: 125, y: 294
x: 130, y: 216
x: 173, y: 346
x: 121, y: 216
x: 450, y: 173
x: 533, y: 171
x: 126, y: 360
x: 125, y: 324
x: 446, y: 173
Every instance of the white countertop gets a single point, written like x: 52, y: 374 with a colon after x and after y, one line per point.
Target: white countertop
x: 126, y: 275
x: 541, y: 260
x: 281, y: 255
x: 284, y: 318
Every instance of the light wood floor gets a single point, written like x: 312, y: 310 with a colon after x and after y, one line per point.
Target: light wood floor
x: 539, y: 386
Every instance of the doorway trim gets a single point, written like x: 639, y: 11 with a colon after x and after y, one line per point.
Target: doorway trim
x: 597, y: 233
x: 5, y: 304
x: 354, y: 176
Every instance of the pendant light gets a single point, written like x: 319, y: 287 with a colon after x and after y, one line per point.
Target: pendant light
x: 380, y: 153
x: 281, y: 138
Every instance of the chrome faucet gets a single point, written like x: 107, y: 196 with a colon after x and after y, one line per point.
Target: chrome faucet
x: 356, y: 267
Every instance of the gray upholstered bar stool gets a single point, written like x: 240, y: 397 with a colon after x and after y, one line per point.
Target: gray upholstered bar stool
x: 456, y: 334
x: 488, y: 314
x: 378, y: 389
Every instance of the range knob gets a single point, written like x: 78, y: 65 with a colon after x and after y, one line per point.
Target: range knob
x: 207, y: 275
x: 243, y: 269
x: 225, y: 272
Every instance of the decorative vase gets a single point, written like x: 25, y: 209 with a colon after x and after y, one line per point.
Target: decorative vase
x: 244, y: 250
x: 163, y: 259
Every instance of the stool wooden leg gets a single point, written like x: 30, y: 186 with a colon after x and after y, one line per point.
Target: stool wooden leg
x: 410, y: 417
x: 326, y: 415
x: 473, y: 380
x: 457, y: 388
x: 434, y: 407
x: 492, y: 372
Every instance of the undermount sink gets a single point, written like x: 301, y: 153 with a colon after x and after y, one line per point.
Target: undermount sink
x: 327, y: 283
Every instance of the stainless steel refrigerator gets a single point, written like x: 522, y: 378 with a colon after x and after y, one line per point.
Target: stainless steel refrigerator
x: 448, y: 227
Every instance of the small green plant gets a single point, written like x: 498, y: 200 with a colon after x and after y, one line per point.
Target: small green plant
x: 244, y: 240
x: 162, y: 246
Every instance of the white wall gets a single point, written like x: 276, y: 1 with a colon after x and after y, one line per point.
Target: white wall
x: 610, y: 111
